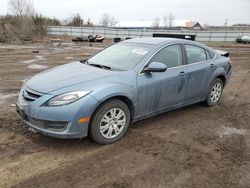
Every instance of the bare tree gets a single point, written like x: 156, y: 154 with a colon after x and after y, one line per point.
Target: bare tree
x: 107, y: 20
x: 76, y: 20
x: 89, y: 22
x: 171, y: 20
x: 39, y: 25
x: 156, y: 23
x: 22, y: 7
x: 165, y: 21
x: 112, y: 21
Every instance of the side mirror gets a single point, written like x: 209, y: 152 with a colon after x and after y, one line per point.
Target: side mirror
x: 155, y: 67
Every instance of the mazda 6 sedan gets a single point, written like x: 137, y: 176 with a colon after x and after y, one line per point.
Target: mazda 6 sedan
x: 132, y: 80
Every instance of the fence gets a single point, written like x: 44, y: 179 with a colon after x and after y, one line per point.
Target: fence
x: 204, y: 36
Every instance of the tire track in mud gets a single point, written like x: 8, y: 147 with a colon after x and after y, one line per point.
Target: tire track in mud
x: 193, y: 160
x: 167, y: 158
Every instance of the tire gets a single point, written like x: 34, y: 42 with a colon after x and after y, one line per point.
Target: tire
x: 214, y: 93
x: 110, y: 122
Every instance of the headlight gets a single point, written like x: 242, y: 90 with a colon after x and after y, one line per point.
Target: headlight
x: 66, y: 98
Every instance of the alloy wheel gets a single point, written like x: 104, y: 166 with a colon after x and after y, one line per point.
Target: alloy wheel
x: 216, y: 92
x: 112, y: 123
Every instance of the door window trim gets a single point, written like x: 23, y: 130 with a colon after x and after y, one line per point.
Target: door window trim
x: 171, y: 44
x: 184, y: 61
x: 197, y: 47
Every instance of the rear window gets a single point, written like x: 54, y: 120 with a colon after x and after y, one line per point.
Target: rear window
x: 195, y: 54
x: 211, y: 54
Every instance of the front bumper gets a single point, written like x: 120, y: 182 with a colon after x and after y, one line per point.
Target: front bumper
x: 59, y: 122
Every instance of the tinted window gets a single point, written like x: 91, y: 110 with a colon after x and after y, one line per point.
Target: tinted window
x: 171, y: 56
x: 195, y: 54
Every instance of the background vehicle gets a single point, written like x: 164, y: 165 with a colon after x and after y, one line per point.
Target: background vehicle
x: 243, y: 39
x: 126, y: 82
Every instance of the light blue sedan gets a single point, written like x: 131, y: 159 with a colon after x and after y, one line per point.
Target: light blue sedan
x: 124, y: 83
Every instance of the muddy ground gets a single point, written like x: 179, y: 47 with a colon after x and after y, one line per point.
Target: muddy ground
x: 195, y: 146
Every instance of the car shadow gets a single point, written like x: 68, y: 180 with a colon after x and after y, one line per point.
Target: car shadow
x: 57, y: 143
x: 169, y: 114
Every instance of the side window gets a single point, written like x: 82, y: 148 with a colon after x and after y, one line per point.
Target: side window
x: 171, y: 56
x: 211, y: 54
x: 195, y: 54
x: 208, y: 55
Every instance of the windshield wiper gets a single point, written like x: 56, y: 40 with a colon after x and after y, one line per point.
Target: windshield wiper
x: 99, y: 66
x: 85, y: 61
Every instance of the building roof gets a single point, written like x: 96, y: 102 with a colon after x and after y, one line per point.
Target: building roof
x: 191, y: 24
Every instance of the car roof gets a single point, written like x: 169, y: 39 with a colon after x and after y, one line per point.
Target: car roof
x: 154, y: 40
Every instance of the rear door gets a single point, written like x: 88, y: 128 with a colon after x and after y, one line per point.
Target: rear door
x: 198, y: 67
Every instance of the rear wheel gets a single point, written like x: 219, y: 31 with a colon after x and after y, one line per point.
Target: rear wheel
x: 110, y: 122
x: 215, y: 92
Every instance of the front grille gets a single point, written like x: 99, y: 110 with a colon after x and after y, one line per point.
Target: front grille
x: 56, y: 126
x: 30, y: 95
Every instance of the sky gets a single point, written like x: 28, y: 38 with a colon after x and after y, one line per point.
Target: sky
x: 212, y: 12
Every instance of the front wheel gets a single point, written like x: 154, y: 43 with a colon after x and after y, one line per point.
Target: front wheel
x: 214, y: 93
x: 110, y: 122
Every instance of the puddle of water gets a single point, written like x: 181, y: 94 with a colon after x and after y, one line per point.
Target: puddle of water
x: 37, y: 58
x: 57, y: 44
x: 69, y: 58
x: 227, y: 131
x: 67, y: 43
x: 36, y: 66
x: 68, y: 48
x: 29, y: 61
x: 4, y: 97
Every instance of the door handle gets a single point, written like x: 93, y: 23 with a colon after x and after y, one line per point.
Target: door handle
x: 212, y: 66
x: 182, y: 73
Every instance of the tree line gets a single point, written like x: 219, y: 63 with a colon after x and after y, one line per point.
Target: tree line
x: 23, y: 22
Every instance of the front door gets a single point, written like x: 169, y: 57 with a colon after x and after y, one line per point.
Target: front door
x: 159, y: 91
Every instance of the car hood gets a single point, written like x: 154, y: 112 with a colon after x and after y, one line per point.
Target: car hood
x: 65, y: 76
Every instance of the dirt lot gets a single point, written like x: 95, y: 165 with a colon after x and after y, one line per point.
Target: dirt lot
x: 194, y: 146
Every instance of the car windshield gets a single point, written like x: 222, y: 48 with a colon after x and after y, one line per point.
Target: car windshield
x: 122, y: 56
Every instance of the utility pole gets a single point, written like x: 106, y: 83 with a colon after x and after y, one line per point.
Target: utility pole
x: 226, y: 22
